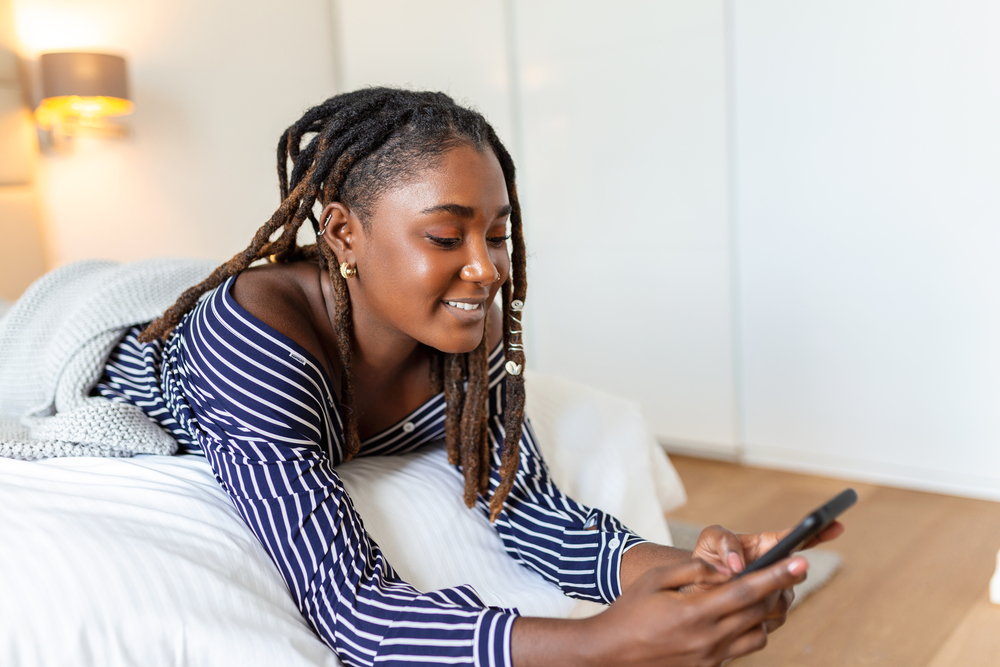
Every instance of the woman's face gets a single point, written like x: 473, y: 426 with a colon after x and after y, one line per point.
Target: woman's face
x: 432, y: 256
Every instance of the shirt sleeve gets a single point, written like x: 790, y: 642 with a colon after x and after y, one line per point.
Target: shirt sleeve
x: 577, y: 548
x: 252, y: 402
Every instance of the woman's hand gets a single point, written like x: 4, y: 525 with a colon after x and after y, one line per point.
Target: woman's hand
x: 730, y: 552
x: 653, y: 623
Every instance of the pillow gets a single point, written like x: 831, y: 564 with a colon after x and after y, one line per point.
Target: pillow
x: 145, y: 560
x: 600, y: 451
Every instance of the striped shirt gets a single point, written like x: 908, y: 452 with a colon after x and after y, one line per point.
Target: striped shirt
x: 263, y: 412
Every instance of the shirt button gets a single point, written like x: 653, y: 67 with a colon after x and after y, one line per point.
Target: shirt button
x: 408, y: 427
x: 613, y: 543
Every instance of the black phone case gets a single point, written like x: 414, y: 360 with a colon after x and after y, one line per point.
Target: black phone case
x: 809, y: 528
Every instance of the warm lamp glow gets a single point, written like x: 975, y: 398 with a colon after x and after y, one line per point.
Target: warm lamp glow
x: 82, y: 88
x: 53, y: 25
x: 53, y: 108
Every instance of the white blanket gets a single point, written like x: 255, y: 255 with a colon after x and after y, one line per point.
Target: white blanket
x: 54, y: 344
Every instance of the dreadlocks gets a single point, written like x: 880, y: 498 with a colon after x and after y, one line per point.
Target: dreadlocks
x: 361, y: 144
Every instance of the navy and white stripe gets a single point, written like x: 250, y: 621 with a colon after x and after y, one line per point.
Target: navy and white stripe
x: 263, y: 412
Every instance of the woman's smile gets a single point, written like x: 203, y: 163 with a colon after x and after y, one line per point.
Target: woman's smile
x: 467, y: 311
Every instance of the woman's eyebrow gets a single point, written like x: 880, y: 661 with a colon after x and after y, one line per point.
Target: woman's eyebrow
x: 464, y: 212
x: 456, y: 210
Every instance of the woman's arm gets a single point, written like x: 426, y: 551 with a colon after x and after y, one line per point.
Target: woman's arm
x: 577, y: 548
x: 654, y: 624
x: 591, y: 555
x: 258, y: 409
x: 587, y: 553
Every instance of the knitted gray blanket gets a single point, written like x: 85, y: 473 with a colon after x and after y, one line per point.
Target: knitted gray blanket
x: 54, y: 344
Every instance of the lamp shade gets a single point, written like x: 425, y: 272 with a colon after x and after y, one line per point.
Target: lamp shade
x: 84, y: 84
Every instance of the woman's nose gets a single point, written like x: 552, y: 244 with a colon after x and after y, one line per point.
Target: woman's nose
x: 479, y: 267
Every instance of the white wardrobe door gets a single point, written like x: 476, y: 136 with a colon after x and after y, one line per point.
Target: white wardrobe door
x: 868, y: 164
x: 625, y: 193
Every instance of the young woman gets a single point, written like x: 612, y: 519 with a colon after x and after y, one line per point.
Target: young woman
x: 385, y: 336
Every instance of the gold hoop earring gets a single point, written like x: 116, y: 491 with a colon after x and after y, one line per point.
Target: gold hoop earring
x: 347, y: 270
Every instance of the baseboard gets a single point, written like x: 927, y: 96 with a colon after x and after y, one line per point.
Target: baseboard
x: 702, y: 450
x: 885, y: 474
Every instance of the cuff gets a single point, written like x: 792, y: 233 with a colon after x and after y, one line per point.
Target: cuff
x: 592, y: 563
x: 492, y: 639
x: 630, y: 541
x: 633, y: 541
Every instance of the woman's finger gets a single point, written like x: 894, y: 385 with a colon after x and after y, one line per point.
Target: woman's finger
x: 725, y: 545
x: 741, y: 593
x: 831, y: 532
x: 672, y: 577
x: 770, y: 612
x: 779, y: 613
x: 728, y: 628
x: 779, y: 602
x: 750, y: 641
x: 772, y: 624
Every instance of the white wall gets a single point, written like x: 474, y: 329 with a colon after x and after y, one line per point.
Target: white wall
x: 454, y: 46
x: 616, y: 117
x: 868, y: 172
x: 628, y: 231
x: 215, y: 84
x: 22, y: 253
x: 864, y: 156
x: 623, y: 108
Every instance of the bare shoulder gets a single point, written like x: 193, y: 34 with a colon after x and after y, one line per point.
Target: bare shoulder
x: 285, y: 298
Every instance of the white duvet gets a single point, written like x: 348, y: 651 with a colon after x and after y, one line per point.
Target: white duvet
x: 144, y: 561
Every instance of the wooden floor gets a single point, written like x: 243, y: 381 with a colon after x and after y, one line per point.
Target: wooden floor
x: 913, y: 588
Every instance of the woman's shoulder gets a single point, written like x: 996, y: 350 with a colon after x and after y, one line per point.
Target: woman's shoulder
x: 288, y: 298
x: 240, y: 360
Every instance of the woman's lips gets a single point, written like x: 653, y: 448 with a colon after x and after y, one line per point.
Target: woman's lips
x: 466, y: 311
x: 464, y: 306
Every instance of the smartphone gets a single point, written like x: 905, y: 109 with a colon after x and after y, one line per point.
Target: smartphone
x: 810, y: 527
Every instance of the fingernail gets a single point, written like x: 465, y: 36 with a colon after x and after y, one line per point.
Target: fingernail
x: 733, y: 561
x: 798, y: 566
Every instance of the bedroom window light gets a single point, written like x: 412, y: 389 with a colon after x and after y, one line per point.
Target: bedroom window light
x: 80, y: 92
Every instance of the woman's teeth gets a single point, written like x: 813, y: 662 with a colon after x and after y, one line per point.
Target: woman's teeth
x: 463, y: 306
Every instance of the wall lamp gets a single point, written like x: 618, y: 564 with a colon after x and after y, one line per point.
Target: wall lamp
x: 80, y: 91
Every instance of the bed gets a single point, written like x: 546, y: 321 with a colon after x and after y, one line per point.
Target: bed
x: 144, y: 560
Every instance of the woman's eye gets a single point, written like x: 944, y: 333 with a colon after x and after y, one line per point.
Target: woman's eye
x: 444, y: 242
x: 498, y: 240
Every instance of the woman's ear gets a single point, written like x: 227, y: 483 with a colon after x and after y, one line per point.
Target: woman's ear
x: 339, y: 227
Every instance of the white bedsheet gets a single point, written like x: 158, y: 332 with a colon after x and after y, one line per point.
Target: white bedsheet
x: 140, y: 561
x: 144, y: 561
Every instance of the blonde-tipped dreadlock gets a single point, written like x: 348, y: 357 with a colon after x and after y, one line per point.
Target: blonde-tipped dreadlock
x: 362, y: 144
